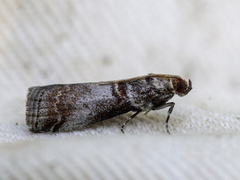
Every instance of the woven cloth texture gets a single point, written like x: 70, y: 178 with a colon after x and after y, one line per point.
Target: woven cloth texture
x: 58, y: 41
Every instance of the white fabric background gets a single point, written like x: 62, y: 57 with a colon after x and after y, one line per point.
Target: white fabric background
x: 58, y: 41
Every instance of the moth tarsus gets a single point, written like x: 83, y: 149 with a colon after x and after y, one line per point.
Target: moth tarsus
x: 129, y: 120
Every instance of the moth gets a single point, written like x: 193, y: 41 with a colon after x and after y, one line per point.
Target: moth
x: 68, y: 107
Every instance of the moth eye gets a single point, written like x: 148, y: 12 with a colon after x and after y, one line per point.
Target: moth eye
x: 181, y: 86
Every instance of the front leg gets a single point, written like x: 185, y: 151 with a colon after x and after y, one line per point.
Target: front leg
x: 171, y: 105
x: 160, y: 103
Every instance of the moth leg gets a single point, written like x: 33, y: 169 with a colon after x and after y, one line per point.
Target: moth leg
x: 171, y: 105
x: 130, y: 119
x: 147, y: 111
x: 147, y: 106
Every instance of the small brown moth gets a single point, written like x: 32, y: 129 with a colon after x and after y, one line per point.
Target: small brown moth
x: 68, y: 107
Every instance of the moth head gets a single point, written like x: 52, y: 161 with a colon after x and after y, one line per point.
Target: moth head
x: 181, y: 87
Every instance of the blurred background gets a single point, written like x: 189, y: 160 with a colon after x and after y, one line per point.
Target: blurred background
x: 48, y: 42
x: 75, y: 41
